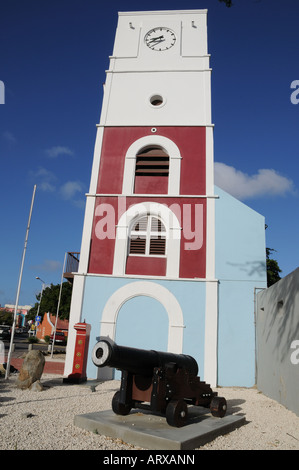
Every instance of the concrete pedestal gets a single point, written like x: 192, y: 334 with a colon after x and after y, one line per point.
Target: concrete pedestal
x: 143, y: 429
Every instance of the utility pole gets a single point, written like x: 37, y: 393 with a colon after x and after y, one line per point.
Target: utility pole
x: 19, y: 288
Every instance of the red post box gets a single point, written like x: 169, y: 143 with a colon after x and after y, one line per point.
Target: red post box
x: 78, y: 374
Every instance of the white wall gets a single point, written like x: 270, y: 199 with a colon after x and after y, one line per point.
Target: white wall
x: 181, y: 75
x: 277, y: 327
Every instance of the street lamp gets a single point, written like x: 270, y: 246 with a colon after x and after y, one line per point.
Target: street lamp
x: 41, y: 294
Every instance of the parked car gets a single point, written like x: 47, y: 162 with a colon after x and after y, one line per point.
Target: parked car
x: 59, y: 337
x: 5, y: 332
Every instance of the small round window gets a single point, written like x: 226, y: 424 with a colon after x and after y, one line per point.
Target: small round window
x: 156, y: 100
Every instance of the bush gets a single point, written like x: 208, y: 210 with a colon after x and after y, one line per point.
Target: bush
x: 32, y: 339
x: 47, y: 339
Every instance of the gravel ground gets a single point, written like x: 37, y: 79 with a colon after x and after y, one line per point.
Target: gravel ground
x: 31, y: 420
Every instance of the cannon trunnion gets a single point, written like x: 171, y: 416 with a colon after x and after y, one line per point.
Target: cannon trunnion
x: 161, y: 382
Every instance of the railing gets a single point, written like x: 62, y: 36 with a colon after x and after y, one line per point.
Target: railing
x: 72, y: 264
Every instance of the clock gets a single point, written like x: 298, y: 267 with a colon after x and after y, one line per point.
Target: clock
x: 160, y: 39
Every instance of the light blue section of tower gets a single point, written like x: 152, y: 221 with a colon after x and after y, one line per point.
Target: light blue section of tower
x: 142, y: 321
x: 240, y: 255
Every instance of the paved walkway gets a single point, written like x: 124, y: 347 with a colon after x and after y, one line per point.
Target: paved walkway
x: 51, y: 366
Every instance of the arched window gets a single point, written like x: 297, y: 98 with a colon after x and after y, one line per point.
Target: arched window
x: 148, y: 237
x: 151, y: 171
x: 164, y: 153
x: 155, y: 223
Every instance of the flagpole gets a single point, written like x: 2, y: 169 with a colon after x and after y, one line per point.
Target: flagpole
x: 58, y: 305
x: 19, y: 288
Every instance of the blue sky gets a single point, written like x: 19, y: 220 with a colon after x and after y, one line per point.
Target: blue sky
x: 53, y: 57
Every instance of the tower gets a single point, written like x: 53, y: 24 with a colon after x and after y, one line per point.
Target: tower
x: 147, y: 266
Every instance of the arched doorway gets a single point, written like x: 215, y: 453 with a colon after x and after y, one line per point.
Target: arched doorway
x: 143, y: 323
x: 142, y: 290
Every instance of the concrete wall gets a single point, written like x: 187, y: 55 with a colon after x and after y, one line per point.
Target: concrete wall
x: 277, y: 317
x: 240, y: 255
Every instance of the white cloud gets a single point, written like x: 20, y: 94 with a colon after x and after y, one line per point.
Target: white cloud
x: 70, y: 189
x: 46, y: 186
x: 267, y: 182
x: 44, y: 179
x: 54, y: 152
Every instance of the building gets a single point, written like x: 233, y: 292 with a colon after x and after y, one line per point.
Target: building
x: 47, y: 326
x: 167, y: 261
x: 21, y: 313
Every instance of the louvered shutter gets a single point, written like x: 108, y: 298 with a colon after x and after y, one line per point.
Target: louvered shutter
x: 152, y: 161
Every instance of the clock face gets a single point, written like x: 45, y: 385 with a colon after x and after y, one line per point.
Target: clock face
x: 160, y: 39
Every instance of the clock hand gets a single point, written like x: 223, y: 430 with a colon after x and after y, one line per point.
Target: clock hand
x: 156, y: 43
x: 157, y: 39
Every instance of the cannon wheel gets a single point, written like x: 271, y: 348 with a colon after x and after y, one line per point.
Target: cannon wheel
x: 218, y: 407
x: 120, y: 408
x: 177, y: 413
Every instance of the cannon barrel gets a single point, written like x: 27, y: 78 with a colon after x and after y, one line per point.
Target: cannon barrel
x: 138, y: 361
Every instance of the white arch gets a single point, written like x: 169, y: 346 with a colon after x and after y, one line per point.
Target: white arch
x: 173, y: 230
x: 174, y: 162
x: 150, y: 289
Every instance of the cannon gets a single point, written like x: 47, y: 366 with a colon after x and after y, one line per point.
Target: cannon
x: 162, y: 382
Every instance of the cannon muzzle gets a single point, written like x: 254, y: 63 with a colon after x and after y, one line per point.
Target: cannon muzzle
x: 139, y: 361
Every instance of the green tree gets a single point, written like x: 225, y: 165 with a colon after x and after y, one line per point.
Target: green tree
x: 273, y: 269
x: 6, y: 317
x: 49, y: 301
